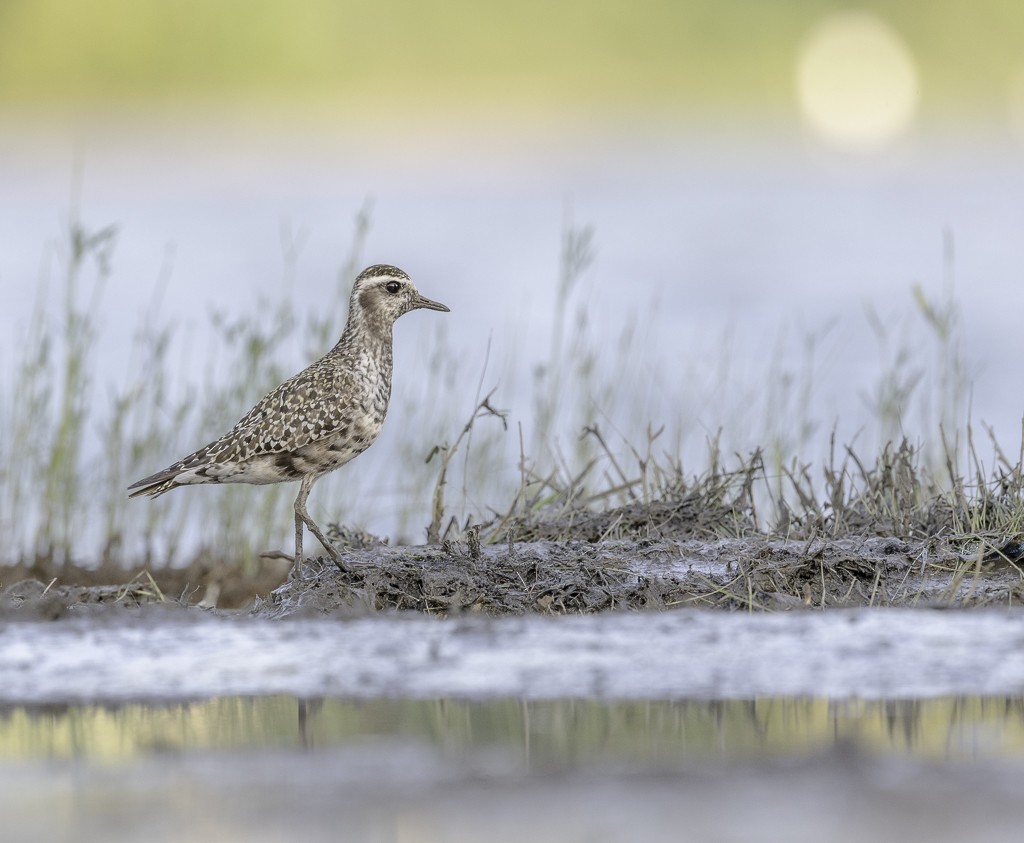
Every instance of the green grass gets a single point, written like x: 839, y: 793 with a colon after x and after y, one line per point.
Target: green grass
x: 581, y: 443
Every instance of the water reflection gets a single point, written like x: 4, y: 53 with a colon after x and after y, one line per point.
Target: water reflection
x: 545, y: 733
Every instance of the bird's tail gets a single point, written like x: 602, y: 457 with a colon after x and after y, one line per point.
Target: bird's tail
x: 154, y: 485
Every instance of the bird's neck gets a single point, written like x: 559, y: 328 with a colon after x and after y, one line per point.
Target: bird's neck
x: 368, y: 336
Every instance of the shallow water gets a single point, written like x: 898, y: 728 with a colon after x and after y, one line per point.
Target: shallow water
x: 118, y: 655
x: 545, y: 734
x: 279, y: 768
x: 169, y: 724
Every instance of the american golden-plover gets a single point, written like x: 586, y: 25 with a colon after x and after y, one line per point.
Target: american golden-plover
x: 317, y: 420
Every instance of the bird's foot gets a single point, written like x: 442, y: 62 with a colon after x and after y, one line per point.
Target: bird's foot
x: 336, y: 558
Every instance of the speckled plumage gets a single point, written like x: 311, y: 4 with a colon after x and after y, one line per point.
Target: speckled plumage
x: 317, y: 420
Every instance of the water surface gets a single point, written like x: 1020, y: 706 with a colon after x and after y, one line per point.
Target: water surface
x: 119, y: 724
x: 547, y: 734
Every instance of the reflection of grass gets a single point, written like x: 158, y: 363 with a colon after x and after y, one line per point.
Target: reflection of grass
x: 547, y: 55
x: 563, y: 732
x: 588, y: 442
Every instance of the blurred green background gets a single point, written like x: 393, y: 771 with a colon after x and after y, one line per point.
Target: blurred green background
x: 577, y: 56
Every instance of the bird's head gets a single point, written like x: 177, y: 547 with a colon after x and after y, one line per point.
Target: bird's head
x: 383, y: 293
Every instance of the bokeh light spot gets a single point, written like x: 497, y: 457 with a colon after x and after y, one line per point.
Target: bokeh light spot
x: 1015, y: 103
x: 856, y: 82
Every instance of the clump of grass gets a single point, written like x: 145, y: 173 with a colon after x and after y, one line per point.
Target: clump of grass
x: 445, y: 454
x: 136, y: 420
x: 48, y: 411
x: 577, y: 464
x: 930, y: 488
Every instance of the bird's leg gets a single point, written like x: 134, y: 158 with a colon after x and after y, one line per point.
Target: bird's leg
x: 302, y: 517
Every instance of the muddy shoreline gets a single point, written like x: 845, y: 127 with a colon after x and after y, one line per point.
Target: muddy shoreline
x: 576, y: 577
x: 559, y: 577
x: 568, y: 622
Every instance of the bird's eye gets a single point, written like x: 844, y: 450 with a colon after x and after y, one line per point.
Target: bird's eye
x: 392, y: 287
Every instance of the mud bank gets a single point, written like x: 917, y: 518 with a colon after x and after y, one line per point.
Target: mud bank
x: 557, y: 577
x: 573, y: 577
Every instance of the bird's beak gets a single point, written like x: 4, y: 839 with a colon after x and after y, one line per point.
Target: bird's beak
x: 428, y: 304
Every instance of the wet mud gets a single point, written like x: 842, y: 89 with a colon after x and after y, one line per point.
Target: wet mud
x: 577, y: 577
x: 48, y: 589
x: 554, y: 577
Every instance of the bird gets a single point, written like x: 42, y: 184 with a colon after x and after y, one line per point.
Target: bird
x: 317, y: 420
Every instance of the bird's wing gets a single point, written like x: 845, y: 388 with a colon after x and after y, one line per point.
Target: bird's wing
x: 297, y: 413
